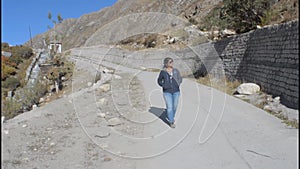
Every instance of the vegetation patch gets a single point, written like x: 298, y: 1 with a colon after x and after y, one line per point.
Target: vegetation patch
x: 243, y: 15
x: 22, y: 97
x: 224, y: 84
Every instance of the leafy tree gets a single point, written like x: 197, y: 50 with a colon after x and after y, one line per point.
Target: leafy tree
x: 49, y: 15
x: 244, y: 14
x: 59, y: 18
x: 4, y: 45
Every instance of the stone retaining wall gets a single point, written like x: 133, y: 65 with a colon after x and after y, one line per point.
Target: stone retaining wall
x: 268, y: 57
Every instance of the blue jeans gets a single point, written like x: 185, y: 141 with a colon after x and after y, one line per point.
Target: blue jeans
x: 171, y: 100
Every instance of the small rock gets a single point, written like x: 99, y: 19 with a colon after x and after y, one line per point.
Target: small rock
x: 172, y: 40
x: 89, y: 84
x: 117, y: 77
x: 228, y: 32
x: 102, y: 115
x: 63, y: 78
x: 52, y: 144
x: 34, y: 107
x: 103, y: 101
x: 143, y: 68
x: 2, y: 119
x: 248, y: 88
x: 41, y: 100
x: 5, y: 131
x: 269, y: 98
x: 114, y: 121
x: 26, y: 159
x: 104, y: 87
x: 107, y: 159
x: 215, y: 32
x: 24, y: 125
x: 103, y: 135
x: 240, y: 96
x: 105, y: 70
x: 103, y: 145
x: 267, y: 107
x: 277, y: 99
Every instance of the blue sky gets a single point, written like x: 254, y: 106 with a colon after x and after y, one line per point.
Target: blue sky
x: 18, y: 15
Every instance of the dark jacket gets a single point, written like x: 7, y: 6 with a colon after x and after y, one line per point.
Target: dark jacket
x: 168, y: 83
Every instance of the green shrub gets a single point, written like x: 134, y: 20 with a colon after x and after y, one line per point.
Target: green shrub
x: 214, y: 18
x: 23, y: 52
x: 16, y: 60
x: 7, y: 71
x: 150, y: 40
x: 243, y: 14
x: 4, y: 45
x: 11, y: 83
x: 193, y: 21
x: 10, y: 108
x: 28, y: 96
x: 240, y: 15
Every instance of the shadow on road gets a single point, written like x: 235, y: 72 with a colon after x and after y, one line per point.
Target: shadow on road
x: 160, y: 113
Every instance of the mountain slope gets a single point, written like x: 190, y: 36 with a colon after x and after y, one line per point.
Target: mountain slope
x: 75, y: 32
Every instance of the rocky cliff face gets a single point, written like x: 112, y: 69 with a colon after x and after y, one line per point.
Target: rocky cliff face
x: 87, y: 29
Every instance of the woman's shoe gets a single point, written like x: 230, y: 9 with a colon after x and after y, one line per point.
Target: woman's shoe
x: 172, y: 125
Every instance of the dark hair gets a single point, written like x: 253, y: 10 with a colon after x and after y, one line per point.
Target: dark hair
x: 166, y: 61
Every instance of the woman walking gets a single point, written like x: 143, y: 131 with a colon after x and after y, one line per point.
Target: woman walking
x: 170, y: 79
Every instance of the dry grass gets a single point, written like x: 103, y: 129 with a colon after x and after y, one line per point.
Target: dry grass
x: 224, y: 85
x: 282, y: 11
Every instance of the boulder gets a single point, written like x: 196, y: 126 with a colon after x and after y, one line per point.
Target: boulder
x: 248, y: 88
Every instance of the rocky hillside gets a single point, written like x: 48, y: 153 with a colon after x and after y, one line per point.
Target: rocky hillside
x: 176, y: 20
x: 75, y: 32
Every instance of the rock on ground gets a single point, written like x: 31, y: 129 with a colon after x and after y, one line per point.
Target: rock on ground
x: 248, y: 88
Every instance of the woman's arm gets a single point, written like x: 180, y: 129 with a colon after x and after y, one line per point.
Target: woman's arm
x: 179, y: 78
x: 160, y: 79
